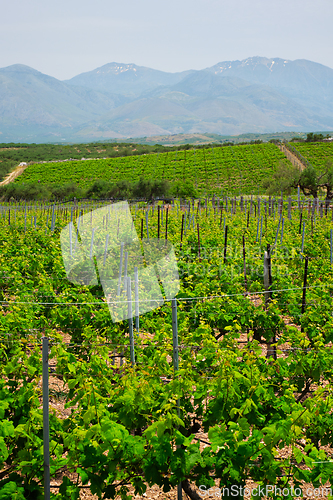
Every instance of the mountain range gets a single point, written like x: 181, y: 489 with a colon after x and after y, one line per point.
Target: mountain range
x: 117, y: 100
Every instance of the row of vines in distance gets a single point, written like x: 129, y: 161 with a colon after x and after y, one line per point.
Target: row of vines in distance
x: 235, y: 169
x: 316, y: 153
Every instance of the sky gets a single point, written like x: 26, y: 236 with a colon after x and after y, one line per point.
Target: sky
x: 64, y: 38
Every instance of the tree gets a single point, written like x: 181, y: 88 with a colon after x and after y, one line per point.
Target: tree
x: 327, y: 180
x: 311, y: 137
x: 310, y: 180
x: 285, y: 179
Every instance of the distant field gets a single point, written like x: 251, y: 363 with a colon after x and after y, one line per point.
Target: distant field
x: 207, y: 138
x: 317, y: 153
x: 12, y: 154
x: 232, y: 169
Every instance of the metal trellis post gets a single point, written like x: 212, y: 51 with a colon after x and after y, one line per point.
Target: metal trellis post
x: 46, y: 428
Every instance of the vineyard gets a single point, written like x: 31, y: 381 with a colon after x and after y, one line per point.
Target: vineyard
x: 227, y: 387
x: 316, y: 153
x: 12, y: 154
x: 233, y: 170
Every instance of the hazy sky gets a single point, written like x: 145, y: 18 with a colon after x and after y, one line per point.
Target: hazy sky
x: 66, y: 37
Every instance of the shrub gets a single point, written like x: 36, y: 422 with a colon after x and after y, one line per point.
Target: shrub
x: 184, y: 190
x: 148, y: 188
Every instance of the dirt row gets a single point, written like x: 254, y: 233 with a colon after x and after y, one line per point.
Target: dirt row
x: 12, y: 175
x: 291, y: 157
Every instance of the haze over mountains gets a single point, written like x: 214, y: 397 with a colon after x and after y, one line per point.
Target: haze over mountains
x: 124, y: 100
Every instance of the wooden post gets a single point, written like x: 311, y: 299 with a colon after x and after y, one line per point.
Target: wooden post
x: 303, y: 235
x: 289, y: 207
x: 158, y: 222
x: 225, y: 244
x: 271, y: 351
x: 147, y: 224
x: 182, y: 231
x: 277, y: 232
x: 282, y: 230
x: 267, y: 275
x: 244, y: 265
x: 166, y: 224
x: 257, y: 229
x: 304, y: 288
x: 198, y: 241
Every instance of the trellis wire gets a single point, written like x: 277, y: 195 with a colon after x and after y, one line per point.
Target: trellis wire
x: 179, y: 299
x: 216, y: 348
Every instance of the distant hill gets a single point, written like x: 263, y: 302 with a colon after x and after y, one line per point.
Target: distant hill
x: 289, y: 77
x: 126, y: 79
x: 307, y: 83
x: 208, y: 103
x: 256, y: 95
x: 37, y: 106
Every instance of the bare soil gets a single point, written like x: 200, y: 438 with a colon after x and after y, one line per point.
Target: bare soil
x: 291, y: 157
x: 12, y: 175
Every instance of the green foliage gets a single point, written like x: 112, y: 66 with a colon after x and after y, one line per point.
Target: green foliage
x: 316, y: 153
x: 200, y: 171
x: 184, y: 190
x: 40, y: 192
x: 11, y: 491
x: 102, y: 189
x: 144, y: 188
x: 285, y: 179
x: 12, y: 154
x: 122, y: 427
x: 311, y: 137
x: 151, y: 188
x: 310, y: 180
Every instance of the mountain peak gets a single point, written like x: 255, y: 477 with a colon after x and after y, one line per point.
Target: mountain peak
x: 20, y: 68
x: 251, y: 63
x: 256, y: 94
x: 128, y: 79
x: 114, y: 68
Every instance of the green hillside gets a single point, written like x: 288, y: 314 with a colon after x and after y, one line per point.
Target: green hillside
x: 239, y: 169
x: 11, y: 154
x: 316, y: 153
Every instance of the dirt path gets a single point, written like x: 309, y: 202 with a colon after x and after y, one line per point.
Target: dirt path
x: 12, y: 175
x: 291, y: 157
